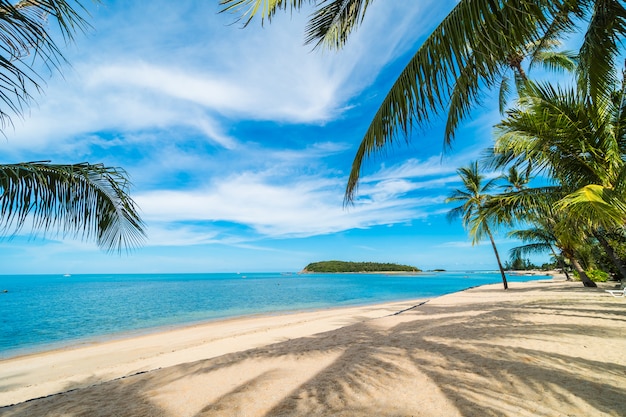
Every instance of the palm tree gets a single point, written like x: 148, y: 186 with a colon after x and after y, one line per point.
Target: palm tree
x: 535, y: 206
x: 83, y: 200
x: 577, y: 141
x: 474, y: 197
x: 466, y: 55
x: 517, y: 181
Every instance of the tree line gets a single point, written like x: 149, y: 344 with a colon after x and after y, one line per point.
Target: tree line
x: 343, y: 266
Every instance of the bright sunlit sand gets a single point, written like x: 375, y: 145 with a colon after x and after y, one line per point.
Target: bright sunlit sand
x: 547, y: 348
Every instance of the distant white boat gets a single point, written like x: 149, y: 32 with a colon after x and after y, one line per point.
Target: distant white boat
x: 67, y: 275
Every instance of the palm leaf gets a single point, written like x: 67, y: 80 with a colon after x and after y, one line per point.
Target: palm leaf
x: 331, y: 24
x: 477, y: 33
x: 82, y: 200
x: 529, y: 249
x: 595, y: 202
x: 601, y: 45
x: 248, y: 9
x: 25, y: 39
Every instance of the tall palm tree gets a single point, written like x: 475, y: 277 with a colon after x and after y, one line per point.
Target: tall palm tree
x: 474, y: 197
x: 83, y: 200
x: 466, y: 55
x: 578, y: 141
x: 516, y: 180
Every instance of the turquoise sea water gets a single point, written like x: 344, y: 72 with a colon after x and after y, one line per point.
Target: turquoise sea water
x: 40, y: 312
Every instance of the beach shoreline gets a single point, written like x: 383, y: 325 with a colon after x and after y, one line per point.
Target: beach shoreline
x: 168, y: 346
x: 507, y: 343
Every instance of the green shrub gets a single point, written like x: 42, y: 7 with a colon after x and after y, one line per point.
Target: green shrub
x: 595, y: 275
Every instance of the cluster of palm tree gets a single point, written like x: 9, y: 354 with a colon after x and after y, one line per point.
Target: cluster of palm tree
x: 574, y: 141
x: 81, y: 200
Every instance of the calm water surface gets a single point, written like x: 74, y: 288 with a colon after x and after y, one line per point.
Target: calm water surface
x: 40, y: 312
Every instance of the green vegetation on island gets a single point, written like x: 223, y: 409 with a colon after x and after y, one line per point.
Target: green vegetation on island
x: 342, y: 266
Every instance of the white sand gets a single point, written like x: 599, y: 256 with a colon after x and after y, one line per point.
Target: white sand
x: 538, y: 349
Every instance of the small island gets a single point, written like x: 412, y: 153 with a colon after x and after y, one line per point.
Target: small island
x: 354, y: 267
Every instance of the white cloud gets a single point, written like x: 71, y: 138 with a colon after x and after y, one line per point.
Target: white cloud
x: 123, y: 81
x: 301, y: 208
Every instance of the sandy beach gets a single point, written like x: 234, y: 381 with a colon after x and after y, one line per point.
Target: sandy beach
x: 543, y: 348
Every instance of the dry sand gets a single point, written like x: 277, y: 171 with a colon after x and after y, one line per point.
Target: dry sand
x: 539, y: 349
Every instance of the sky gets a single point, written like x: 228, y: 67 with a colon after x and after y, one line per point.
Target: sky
x: 239, y: 141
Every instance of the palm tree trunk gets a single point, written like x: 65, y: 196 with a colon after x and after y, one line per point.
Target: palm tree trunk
x: 609, y: 250
x: 495, y: 250
x: 583, y: 276
x: 564, y: 269
x: 560, y: 262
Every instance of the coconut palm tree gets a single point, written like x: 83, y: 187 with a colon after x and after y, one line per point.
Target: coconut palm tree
x: 535, y: 206
x: 83, y: 200
x: 466, y: 55
x: 578, y: 142
x: 474, y: 196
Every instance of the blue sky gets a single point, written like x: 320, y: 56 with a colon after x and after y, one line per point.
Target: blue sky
x: 239, y: 143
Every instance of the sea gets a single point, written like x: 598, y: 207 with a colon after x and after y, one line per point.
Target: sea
x: 44, y: 312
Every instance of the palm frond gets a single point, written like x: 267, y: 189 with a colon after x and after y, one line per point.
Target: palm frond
x: 530, y: 249
x: 595, y: 202
x: 24, y: 39
x: 464, y: 95
x: 601, y: 45
x: 477, y: 33
x: 331, y: 24
x: 503, y: 94
x: 81, y: 200
x: 555, y: 60
x: 248, y: 9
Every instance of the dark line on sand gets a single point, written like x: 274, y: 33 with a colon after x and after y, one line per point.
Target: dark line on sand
x: 407, y: 309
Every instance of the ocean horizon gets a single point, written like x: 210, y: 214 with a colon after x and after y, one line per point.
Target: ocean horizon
x: 44, y: 312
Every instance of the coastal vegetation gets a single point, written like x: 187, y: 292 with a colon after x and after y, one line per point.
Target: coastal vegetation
x: 342, y: 266
x: 84, y: 200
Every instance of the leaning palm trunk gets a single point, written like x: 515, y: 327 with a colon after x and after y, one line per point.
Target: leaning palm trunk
x: 564, y: 269
x: 581, y: 272
x: 561, y: 263
x: 609, y: 250
x: 495, y: 250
